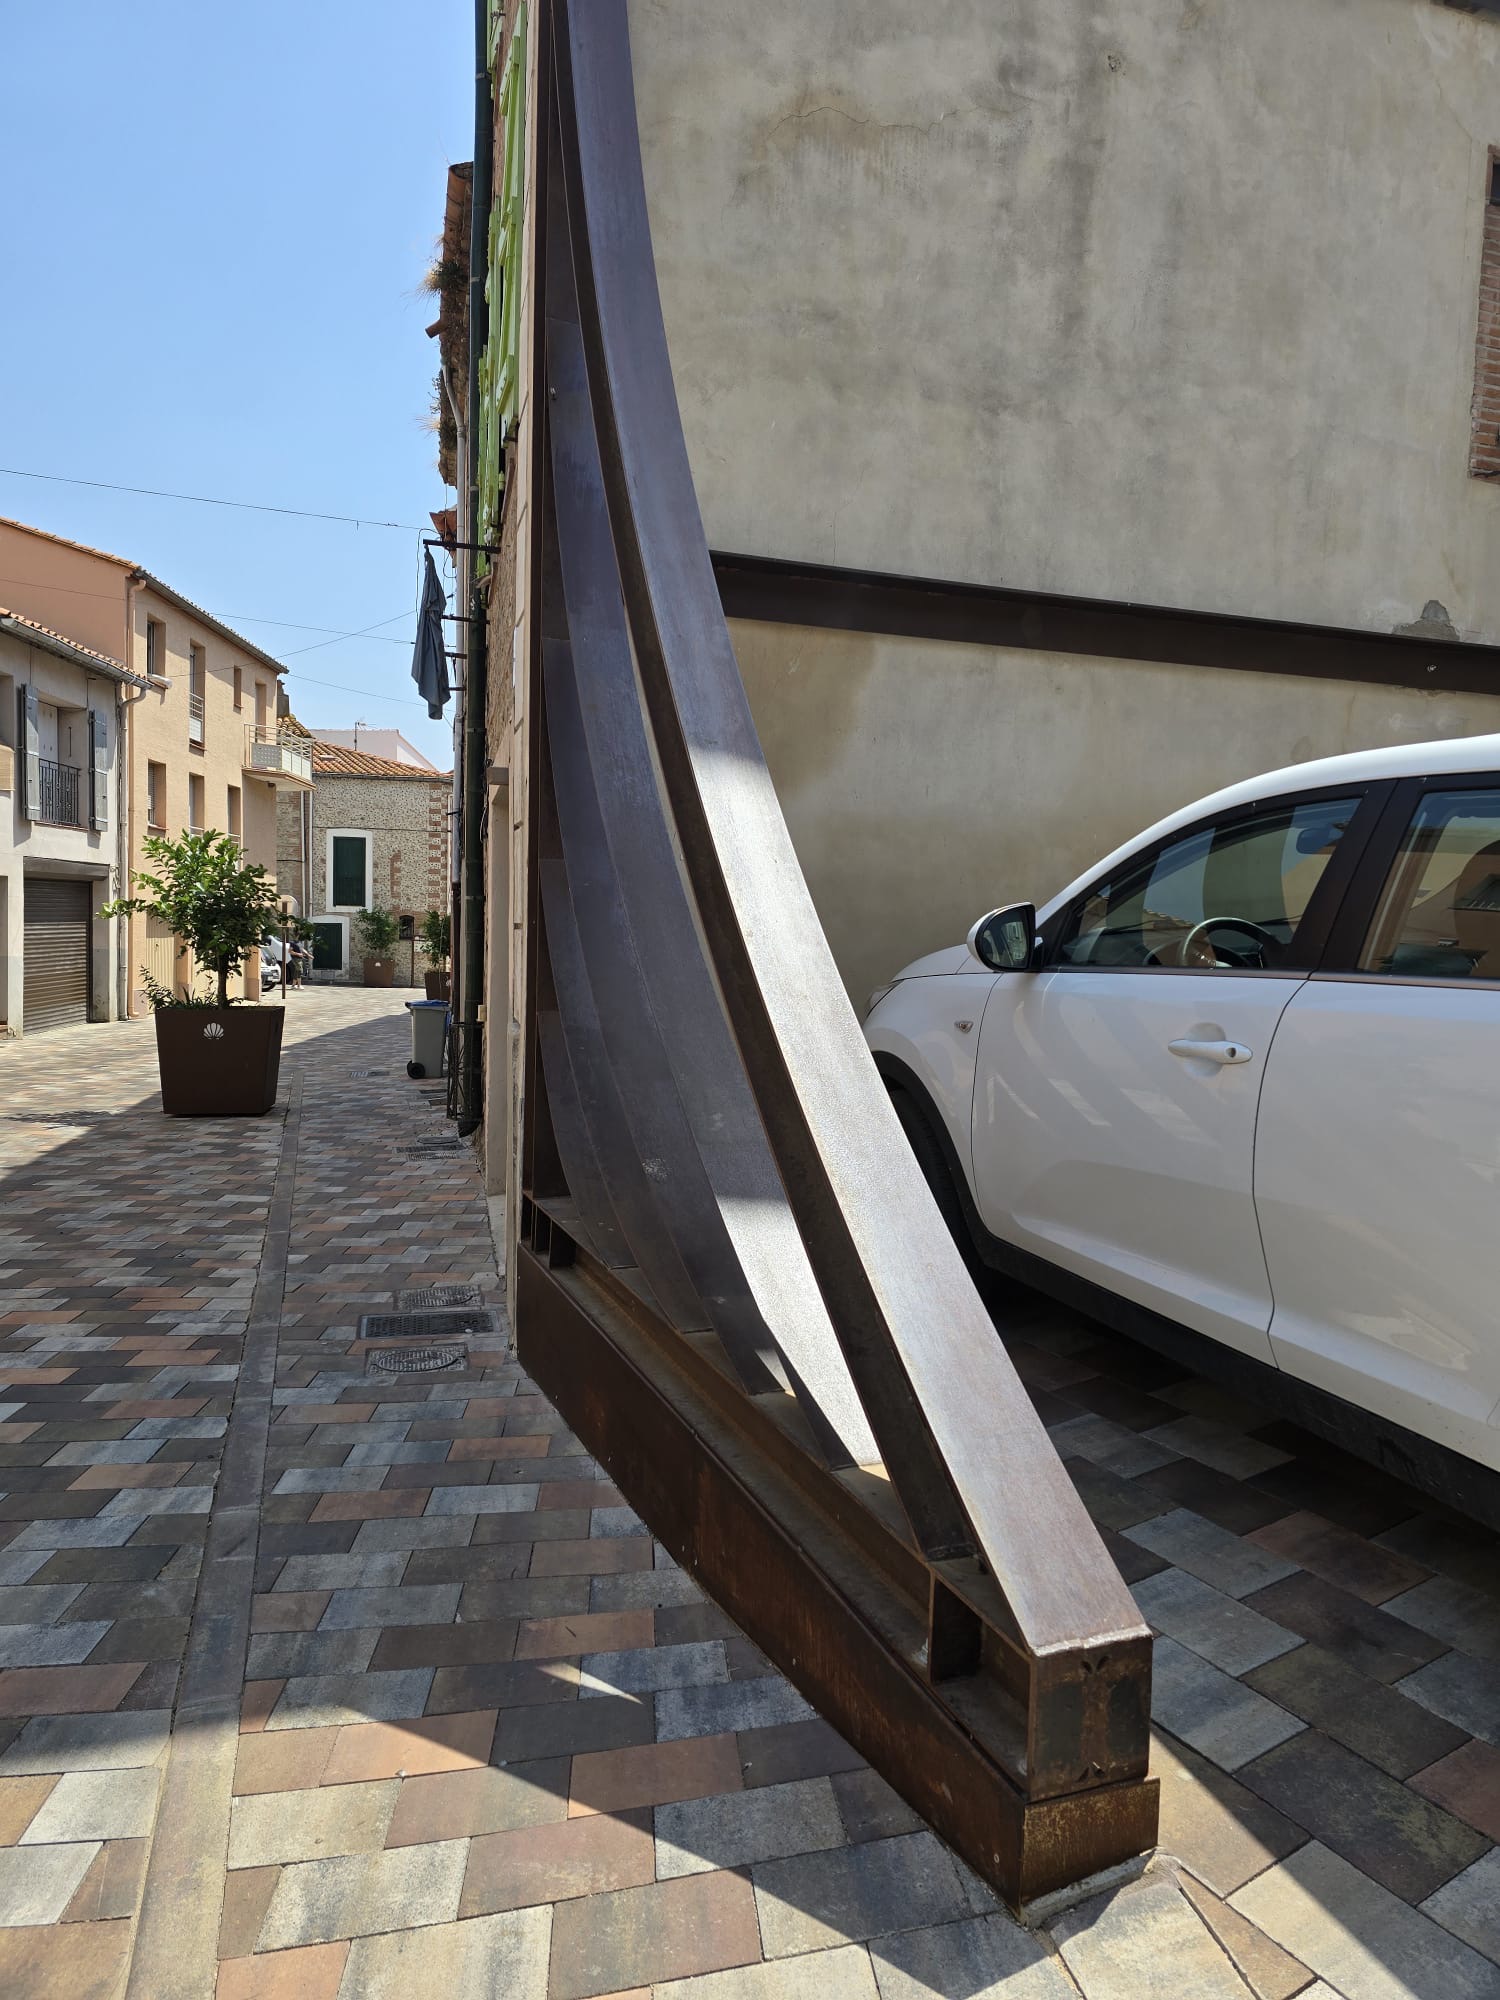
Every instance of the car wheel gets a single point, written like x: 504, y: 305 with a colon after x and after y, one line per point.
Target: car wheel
x: 416, y: 1069
x: 917, y: 1126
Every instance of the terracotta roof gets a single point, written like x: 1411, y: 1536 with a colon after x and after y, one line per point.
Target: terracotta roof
x: 332, y: 760
x: 60, y: 641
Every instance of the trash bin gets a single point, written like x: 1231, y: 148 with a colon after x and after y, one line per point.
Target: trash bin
x: 429, y: 1036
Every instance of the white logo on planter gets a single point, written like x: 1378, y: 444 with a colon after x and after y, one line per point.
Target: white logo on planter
x: 213, y: 1031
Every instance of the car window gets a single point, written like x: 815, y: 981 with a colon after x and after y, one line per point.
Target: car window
x: 1439, y: 914
x: 1223, y: 897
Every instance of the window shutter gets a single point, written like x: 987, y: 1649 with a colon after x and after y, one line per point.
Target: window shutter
x: 98, y: 770
x: 31, y: 754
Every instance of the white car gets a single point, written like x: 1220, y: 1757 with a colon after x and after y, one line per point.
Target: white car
x: 1236, y: 1091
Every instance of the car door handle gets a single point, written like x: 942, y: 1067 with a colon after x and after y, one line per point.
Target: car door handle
x: 1223, y: 1053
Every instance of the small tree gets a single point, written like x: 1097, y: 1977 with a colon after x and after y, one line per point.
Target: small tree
x: 436, y: 935
x: 214, y: 903
x: 377, y: 931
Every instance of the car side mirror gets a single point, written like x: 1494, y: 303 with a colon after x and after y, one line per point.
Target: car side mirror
x: 1006, y: 940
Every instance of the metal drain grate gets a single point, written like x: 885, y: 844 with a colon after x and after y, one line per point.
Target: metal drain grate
x: 366, y: 1072
x: 425, y: 1325
x: 435, y: 1296
x: 415, y: 1360
x: 430, y: 1146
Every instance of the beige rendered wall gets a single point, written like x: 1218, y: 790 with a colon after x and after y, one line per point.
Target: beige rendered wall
x: 159, y: 734
x: 72, y: 590
x: 924, y: 783
x: 1165, y: 300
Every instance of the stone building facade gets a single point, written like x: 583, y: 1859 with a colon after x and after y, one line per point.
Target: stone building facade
x: 375, y: 835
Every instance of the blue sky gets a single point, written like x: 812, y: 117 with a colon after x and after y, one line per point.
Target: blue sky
x: 214, y: 233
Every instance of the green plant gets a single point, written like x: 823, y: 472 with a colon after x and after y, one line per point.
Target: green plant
x: 377, y: 931
x: 216, y: 906
x: 436, y: 937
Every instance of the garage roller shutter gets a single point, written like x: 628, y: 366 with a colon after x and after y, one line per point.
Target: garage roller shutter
x: 55, y: 949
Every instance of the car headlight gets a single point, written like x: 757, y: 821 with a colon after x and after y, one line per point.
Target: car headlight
x: 877, y: 996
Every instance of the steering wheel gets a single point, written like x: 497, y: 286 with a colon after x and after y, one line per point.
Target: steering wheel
x: 1191, y: 944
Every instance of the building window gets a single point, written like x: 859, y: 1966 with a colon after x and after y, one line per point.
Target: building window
x: 156, y: 798
x: 195, y: 802
x: 1484, y: 456
x: 239, y: 689
x: 156, y: 649
x: 233, y: 819
x: 349, y: 871
x: 328, y: 946
x: 262, y: 703
x: 197, y: 693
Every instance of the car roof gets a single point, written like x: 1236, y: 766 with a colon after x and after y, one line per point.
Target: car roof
x: 1454, y: 756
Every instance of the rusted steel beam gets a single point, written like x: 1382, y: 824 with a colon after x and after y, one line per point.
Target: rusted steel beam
x: 734, y: 1281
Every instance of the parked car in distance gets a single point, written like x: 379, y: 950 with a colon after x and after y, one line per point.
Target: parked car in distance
x: 270, y: 971
x: 1236, y: 1091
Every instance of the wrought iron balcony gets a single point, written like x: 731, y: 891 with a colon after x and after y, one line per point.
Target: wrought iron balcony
x: 60, y: 794
x: 274, y: 753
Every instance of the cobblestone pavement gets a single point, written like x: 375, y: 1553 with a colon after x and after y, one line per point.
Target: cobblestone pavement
x: 322, y: 1681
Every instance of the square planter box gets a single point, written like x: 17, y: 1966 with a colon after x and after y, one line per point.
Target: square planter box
x: 218, y: 1062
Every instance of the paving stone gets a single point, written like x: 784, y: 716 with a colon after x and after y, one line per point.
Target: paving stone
x: 553, y: 1860
x: 1219, y: 1628
x: 422, y: 1745
x: 273, y: 1827
x: 1466, y: 1784
x: 977, y: 1958
x: 1364, y: 1636
x: 1234, y: 1504
x: 736, y: 1828
x: 340, y: 1572
x: 843, y: 1974
x: 64, y: 1961
x: 664, y: 1931
x: 49, y: 1645
x: 869, y: 1808
x: 455, y: 1804
x: 377, y: 1538
x: 1145, y: 1941
x: 1449, y: 1545
x: 706, y: 1711
x: 791, y: 1750
x: 1217, y: 1715
x: 1230, y: 1563
x: 317, y: 1701
x: 36, y: 1603
x: 534, y: 1598
x: 20, y: 1801
x: 650, y: 1669
x: 309, y: 1972
x: 1268, y: 1971
x: 1365, y: 1942
x: 279, y: 1655
x: 1385, y: 1829
x: 1111, y: 1445
x: 1377, y: 1722
x: 404, y: 1604
x: 1457, y: 1613
x: 574, y: 1728
x: 1464, y: 1692
x: 358, y: 1895
x: 114, y: 1884
x: 644, y: 1590
x: 652, y: 1773
x: 37, y: 1883
x: 588, y: 1558
x: 815, y: 1900
x: 1216, y: 1445
x: 1348, y: 1560
x: 1223, y: 1832
x: 65, y: 1690
x: 107, y: 1532
x: 87, y: 1743
x: 483, y: 1642
x: 96, y: 1805
x: 1469, y: 1905
x: 19, y: 1565
x: 502, y: 1956
x: 510, y: 1499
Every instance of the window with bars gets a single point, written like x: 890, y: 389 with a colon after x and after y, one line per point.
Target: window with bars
x: 1484, y: 454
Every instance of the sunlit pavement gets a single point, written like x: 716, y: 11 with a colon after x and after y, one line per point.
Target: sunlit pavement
x: 318, y: 1681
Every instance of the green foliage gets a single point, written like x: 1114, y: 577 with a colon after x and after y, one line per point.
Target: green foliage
x: 214, y: 903
x: 376, y: 931
x: 436, y: 935
x: 163, y: 996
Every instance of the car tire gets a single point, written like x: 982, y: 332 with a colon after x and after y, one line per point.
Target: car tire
x: 415, y: 1069
x: 917, y: 1126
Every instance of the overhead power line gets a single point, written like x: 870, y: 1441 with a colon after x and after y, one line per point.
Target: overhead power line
x: 210, y: 500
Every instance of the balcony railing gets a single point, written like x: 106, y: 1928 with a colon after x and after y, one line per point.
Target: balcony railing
x: 60, y: 790
x: 273, y: 753
x: 195, y: 720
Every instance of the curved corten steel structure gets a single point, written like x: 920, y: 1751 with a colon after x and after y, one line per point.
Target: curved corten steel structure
x: 732, y: 1278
